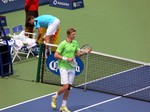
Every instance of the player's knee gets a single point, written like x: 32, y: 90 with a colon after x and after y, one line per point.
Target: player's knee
x: 69, y: 87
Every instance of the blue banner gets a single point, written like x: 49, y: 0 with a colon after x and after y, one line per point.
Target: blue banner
x: 52, y: 64
x: 67, y: 4
x: 13, y: 5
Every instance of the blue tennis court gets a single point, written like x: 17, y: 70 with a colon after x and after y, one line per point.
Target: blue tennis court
x: 92, y: 101
x: 80, y: 101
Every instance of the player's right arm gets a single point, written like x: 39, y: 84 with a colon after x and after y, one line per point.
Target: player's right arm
x: 58, y: 56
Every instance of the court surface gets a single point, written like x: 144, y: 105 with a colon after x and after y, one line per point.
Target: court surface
x: 122, y: 29
x: 80, y: 101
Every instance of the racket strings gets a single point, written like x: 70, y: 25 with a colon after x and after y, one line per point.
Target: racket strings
x: 85, y: 49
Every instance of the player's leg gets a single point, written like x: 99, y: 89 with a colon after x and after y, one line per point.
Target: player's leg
x: 55, y: 39
x: 65, y: 83
x: 63, y: 107
x: 71, y: 75
x: 51, y: 30
x: 47, y: 39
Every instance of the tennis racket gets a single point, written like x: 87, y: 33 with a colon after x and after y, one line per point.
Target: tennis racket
x: 85, y: 49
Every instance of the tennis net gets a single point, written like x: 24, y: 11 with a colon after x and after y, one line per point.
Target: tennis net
x: 107, y: 73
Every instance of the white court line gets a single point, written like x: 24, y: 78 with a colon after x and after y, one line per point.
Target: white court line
x: 26, y: 101
x: 112, y: 99
x: 115, y: 98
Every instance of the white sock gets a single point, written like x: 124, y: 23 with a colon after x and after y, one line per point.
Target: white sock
x: 56, y: 95
x: 64, y: 102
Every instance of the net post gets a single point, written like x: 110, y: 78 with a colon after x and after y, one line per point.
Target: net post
x: 43, y: 62
x: 39, y: 63
x: 86, y: 71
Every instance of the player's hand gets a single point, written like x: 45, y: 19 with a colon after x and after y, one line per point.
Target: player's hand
x: 78, y: 53
x: 70, y: 59
x: 88, y: 50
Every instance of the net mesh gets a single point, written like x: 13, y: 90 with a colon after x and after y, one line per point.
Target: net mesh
x: 109, y: 74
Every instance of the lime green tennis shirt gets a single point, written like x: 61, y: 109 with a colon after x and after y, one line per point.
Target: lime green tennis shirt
x: 67, y: 50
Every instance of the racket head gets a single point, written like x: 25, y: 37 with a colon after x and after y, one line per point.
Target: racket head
x: 85, y: 49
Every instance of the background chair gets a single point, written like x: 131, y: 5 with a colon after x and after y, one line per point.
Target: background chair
x: 18, y: 29
x: 7, y: 31
x: 23, y: 44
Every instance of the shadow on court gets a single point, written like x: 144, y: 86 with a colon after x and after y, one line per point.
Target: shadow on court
x: 80, y: 101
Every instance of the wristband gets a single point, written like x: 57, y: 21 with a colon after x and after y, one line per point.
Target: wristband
x: 64, y: 58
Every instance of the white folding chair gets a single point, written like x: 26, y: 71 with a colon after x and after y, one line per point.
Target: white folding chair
x: 22, y: 41
x: 19, y: 29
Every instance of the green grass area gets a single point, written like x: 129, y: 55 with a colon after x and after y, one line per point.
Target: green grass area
x: 114, y: 27
x: 19, y: 87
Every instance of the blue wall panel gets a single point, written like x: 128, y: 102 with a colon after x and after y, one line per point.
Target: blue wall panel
x: 13, y: 5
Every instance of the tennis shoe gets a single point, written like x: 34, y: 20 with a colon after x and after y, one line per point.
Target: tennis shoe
x: 64, y: 109
x: 53, y: 103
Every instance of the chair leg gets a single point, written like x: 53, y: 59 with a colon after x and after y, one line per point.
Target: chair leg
x: 18, y: 56
x: 30, y: 51
x: 15, y: 55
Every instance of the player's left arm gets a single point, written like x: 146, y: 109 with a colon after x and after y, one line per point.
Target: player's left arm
x: 78, y: 53
x: 78, y: 50
x: 39, y: 33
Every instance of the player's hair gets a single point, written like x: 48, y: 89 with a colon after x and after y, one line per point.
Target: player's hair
x: 29, y: 18
x: 70, y: 30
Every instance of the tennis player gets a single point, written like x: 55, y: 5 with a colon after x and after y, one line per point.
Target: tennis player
x: 51, y: 23
x: 65, y: 53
